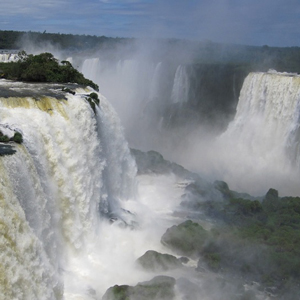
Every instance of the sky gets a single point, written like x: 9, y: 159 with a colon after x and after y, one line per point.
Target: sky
x: 248, y: 22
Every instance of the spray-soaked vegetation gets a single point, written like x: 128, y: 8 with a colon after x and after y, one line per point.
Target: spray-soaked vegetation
x: 258, y: 240
x: 5, y: 147
x: 93, y: 100
x: 249, y: 240
x: 43, y: 68
x: 17, y: 138
x: 159, y: 288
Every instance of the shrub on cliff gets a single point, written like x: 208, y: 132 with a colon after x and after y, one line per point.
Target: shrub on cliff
x: 93, y: 100
x: 17, y: 138
x: 43, y: 68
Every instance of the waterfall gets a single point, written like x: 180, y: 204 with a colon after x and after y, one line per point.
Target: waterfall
x: 268, y: 115
x: 155, y: 82
x: 137, y: 81
x: 181, y: 86
x: 71, y: 165
x: 92, y: 68
x: 260, y: 147
x: 8, y: 57
x: 119, y: 170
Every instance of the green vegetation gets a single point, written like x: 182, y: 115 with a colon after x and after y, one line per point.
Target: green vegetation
x: 43, y: 68
x: 250, y: 58
x: 13, y: 39
x: 258, y: 239
x: 187, y: 238
x: 5, y: 147
x: 17, y: 138
x: 155, y: 261
x: 93, y: 100
x: 4, y: 138
x: 9, y: 39
x: 160, y: 287
x: 247, y: 58
x: 67, y: 90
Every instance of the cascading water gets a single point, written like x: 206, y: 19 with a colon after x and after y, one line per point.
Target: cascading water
x: 181, y: 86
x: 260, y: 148
x: 92, y: 66
x: 8, y: 57
x: 119, y: 171
x: 155, y: 82
x: 69, y: 167
x: 267, y: 118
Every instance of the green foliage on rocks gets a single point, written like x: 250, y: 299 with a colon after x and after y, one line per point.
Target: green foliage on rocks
x: 187, y: 238
x: 67, y: 90
x: 5, y: 147
x: 4, y: 138
x: 93, y: 100
x: 258, y: 239
x: 43, y: 68
x: 155, y: 261
x: 17, y: 138
x: 13, y: 39
x: 160, y: 287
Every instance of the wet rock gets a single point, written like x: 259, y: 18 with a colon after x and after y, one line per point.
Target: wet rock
x: 160, y: 287
x: 155, y: 261
x: 187, y: 238
x: 6, y: 149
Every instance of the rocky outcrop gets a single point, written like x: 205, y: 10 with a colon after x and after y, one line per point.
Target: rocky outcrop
x: 155, y: 261
x: 187, y: 238
x: 160, y: 287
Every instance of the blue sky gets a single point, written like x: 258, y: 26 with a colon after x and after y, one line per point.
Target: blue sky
x: 251, y: 22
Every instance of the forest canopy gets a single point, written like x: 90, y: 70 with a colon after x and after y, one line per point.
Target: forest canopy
x: 251, y: 58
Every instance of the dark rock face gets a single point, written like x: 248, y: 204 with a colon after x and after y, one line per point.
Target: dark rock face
x: 153, y: 162
x: 160, y: 287
x: 6, y: 149
x: 155, y: 261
